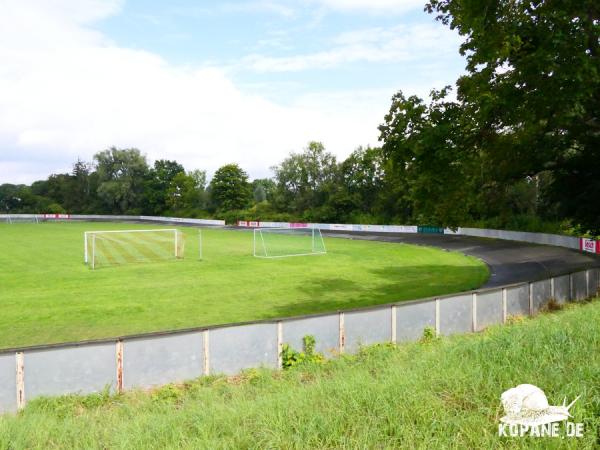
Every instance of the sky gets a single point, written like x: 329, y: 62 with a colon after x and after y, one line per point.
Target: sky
x: 207, y: 83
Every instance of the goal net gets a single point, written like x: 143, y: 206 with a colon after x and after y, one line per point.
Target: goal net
x: 282, y: 242
x: 110, y: 248
x: 22, y: 218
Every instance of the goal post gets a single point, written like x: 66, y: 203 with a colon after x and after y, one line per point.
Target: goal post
x: 118, y: 247
x: 284, y: 242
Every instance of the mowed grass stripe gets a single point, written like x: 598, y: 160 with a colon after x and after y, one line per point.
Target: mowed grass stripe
x: 161, y: 244
x: 117, y: 252
x: 142, y: 248
x: 134, y: 247
x: 108, y: 253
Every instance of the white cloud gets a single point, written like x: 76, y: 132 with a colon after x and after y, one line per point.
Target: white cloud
x: 66, y: 91
x: 373, y: 6
x: 373, y: 45
x: 258, y: 6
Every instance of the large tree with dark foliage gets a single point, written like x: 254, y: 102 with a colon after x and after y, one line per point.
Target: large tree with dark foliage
x: 230, y: 189
x: 527, y: 111
x: 121, y: 174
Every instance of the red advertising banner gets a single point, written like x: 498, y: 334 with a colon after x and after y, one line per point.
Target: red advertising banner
x: 57, y: 216
x: 589, y: 245
x: 298, y: 225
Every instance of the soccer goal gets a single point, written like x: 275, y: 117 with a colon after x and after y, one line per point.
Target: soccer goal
x: 118, y: 247
x: 22, y: 218
x: 283, y: 242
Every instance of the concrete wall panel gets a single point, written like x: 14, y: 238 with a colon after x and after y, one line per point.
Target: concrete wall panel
x: 579, y: 285
x: 562, y: 289
x: 367, y: 327
x: 517, y: 300
x: 162, y: 359
x: 412, y: 319
x: 233, y: 349
x: 456, y: 314
x: 85, y: 369
x: 325, y: 330
x: 536, y: 238
x: 541, y: 291
x: 489, y: 309
x: 592, y: 282
x: 8, y: 386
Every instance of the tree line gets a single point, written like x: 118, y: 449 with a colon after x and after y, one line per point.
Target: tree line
x: 309, y: 185
x: 514, y: 144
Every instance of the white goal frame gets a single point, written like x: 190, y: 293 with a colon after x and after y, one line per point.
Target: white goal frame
x: 86, y: 255
x: 22, y: 219
x: 314, y: 232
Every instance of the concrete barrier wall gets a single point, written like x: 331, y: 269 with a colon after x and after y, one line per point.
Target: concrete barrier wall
x: 325, y: 330
x: 456, y: 314
x: 367, y: 327
x: 562, y: 289
x: 162, y: 359
x: 517, y: 300
x: 109, y: 218
x: 233, y: 349
x: 73, y: 370
x: 8, y: 386
x: 489, y: 309
x: 541, y: 293
x: 413, y: 318
x: 535, y: 238
x: 579, y: 285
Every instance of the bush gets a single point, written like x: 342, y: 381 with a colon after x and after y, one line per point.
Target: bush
x: 291, y: 358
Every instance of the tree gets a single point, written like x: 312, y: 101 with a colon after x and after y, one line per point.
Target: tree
x: 263, y: 189
x: 304, y: 179
x: 431, y: 151
x: 363, y: 176
x: 157, y: 183
x: 185, y: 191
x: 230, y: 189
x: 533, y: 93
x: 121, y: 174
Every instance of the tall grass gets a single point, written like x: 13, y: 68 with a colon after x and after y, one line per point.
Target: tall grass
x: 441, y: 393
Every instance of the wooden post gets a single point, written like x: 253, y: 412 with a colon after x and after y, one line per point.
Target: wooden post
x: 437, y: 316
x: 342, y: 333
x: 504, y: 305
x: 394, y: 324
x: 119, y: 350
x: 206, y: 348
x: 474, y: 311
x: 20, y: 379
x: 279, y: 344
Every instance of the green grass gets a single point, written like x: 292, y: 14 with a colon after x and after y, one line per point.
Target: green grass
x: 48, y: 295
x: 440, y: 394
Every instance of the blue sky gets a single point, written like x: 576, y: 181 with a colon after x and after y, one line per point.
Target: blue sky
x: 207, y: 83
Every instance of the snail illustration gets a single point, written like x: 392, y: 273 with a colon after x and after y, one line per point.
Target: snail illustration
x: 527, y: 405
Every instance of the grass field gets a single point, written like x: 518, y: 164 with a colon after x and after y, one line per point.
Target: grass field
x: 440, y: 394
x: 48, y: 295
